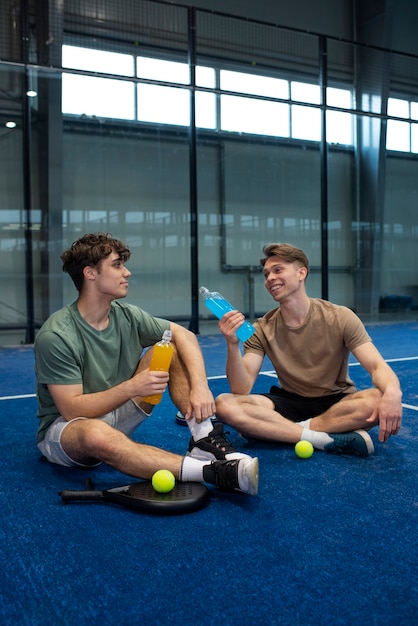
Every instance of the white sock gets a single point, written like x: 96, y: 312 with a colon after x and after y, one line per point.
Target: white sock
x: 192, y: 470
x: 201, y: 430
x: 318, y: 439
x: 305, y: 423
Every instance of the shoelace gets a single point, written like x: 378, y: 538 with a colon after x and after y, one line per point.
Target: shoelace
x: 344, y: 439
x: 220, y: 442
x: 227, y: 478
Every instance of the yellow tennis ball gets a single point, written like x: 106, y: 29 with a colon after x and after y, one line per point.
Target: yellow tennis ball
x: 304, y: 449
x: 163, y: 481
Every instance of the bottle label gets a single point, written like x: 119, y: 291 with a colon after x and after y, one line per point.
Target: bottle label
x: 160, y: 361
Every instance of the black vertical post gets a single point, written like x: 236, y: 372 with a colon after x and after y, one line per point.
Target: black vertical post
x: 324, y: 168
x: 194, y: 320
x: 27, y: 194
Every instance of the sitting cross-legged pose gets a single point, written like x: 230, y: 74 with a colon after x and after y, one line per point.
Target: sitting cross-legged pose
x: 92, y: 378
x: 309, y: 342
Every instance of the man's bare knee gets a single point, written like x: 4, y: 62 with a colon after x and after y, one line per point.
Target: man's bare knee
x: 372, y: 399
x: 369, y: 398
x: 223, y: 403
x: 89, y: 439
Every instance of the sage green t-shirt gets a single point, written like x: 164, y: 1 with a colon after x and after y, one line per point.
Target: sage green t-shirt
x: 68, y: 351
x: 312, y: 359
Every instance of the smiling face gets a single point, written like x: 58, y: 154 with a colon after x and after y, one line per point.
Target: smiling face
x: 282, y: 279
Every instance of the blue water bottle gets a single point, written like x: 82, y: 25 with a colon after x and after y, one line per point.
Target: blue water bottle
x: 219, y: 306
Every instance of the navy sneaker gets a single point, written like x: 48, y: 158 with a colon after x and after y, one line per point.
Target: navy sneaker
x: 357, y: 442
x: 214, y: 447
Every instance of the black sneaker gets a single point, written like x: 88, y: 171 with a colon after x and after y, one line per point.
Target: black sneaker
x: 214, y: 447
x: 236, y: 475
x: 357, y: 442
x: 181, y: 420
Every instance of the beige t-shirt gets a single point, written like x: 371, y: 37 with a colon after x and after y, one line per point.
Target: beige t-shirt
x: 312, y: 359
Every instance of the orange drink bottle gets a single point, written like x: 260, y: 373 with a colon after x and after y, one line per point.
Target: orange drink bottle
x: 160, y: 361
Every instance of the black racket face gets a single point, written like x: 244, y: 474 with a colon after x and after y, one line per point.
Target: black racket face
x: 184, y: 498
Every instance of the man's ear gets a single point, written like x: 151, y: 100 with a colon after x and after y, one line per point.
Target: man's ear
x: 89, y: 272
x: 303, y: 272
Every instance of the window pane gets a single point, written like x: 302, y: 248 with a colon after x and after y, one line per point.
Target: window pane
x: 339, y: 98
x: 398, y: 136
x: 414, y: 137
x: 305, y: 92
x: 167, y: 71
x: 97, y: 61
x: 205, y: 76
x: 398, y: 108
x: 205, y: 110
x: 254, y: 116
x: 104, y: 97
x: 254, y: 84
x: 306, y: 123
x: 205, y: 102
x: 163, y: 105
x: 414, y: 127
x: 339, y: 128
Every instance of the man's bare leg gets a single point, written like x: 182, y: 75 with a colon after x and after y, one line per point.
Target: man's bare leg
x: 254, y: 416
x: 88, y: 441
x: 353, y: 412
x: 180, y: 387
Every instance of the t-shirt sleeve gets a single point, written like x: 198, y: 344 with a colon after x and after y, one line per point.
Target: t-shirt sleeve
x: 254, y: 344
x: 150, y: 328
x: 355, y: 333
x: 55, y: 361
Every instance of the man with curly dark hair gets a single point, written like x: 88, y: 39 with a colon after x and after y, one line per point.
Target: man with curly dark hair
x: 93, y: 376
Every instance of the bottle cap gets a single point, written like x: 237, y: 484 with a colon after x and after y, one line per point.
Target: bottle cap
x: 167, y: 335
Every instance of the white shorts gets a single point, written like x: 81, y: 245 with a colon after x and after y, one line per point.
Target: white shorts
x: 126, y: 419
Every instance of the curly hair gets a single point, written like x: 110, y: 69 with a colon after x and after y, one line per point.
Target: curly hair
x: 90, y: 250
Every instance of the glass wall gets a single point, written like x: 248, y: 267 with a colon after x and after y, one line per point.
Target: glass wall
x: 197, y: 138
x: 13, y: 210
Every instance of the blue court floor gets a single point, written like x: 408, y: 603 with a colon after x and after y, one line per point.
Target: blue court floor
x: 328, y: 540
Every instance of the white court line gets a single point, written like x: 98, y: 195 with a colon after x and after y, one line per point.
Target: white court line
x: 28, y: 395
x: 406, y: 358
x: 266, y: 373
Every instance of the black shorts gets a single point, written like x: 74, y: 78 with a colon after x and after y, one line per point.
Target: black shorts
x: 299, y: 408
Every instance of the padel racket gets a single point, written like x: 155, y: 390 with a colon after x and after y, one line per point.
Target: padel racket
x: 184, y: 497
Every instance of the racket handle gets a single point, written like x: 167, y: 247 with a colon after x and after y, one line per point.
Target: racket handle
x: 67, y: 495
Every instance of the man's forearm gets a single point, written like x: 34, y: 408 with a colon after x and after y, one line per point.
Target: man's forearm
x: 385, y: 379
x: 236, y: 373
x: 91, y: 405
